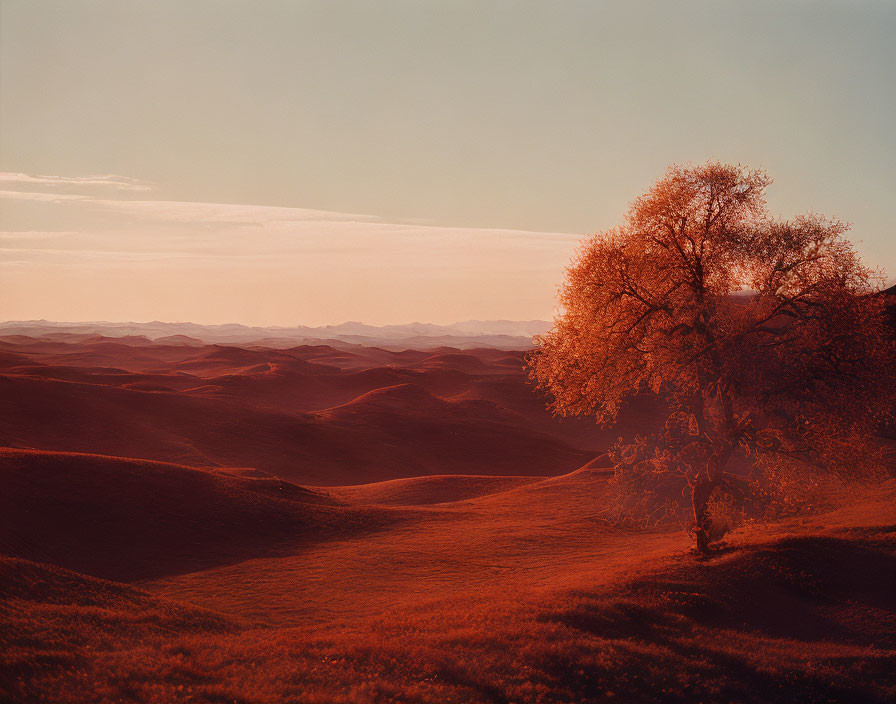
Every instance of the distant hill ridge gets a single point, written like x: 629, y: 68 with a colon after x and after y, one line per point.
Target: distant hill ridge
x: 501, y: 334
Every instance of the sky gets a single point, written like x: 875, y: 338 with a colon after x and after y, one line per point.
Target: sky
x: 283, y: 163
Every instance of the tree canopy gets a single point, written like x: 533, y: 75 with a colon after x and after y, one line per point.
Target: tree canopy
x: 763, y: 336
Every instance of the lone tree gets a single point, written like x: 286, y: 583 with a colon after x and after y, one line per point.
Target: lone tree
x: 763, y: 337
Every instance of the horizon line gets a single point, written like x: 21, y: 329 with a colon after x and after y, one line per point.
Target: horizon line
x: 285, y: 327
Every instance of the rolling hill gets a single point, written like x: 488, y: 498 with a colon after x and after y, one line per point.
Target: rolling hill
x: 297, y: 418
x: 192, y: 522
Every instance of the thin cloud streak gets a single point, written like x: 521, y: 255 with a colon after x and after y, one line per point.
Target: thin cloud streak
x: 122, y: 183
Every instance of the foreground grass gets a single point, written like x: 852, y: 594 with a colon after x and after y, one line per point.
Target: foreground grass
x: 810, y: 619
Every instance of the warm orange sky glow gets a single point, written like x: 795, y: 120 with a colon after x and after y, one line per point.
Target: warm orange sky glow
x: 101, y: 255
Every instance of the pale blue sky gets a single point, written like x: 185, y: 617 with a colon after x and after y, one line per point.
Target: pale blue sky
x: 546, y: 117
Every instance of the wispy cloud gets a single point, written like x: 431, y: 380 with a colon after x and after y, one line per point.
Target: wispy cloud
x: 28, y: 235
x: 40, y: 196
x: 64, y: 250
x: 189, y: 212
x: 244, y: 228
x: 121, y: 183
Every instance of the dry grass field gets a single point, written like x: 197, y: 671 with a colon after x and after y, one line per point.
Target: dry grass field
x: 274, y: 546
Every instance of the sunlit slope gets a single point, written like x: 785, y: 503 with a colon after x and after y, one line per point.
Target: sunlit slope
x: 799, y: 611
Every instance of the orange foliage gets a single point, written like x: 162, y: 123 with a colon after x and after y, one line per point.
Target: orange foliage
x: 761, y: 334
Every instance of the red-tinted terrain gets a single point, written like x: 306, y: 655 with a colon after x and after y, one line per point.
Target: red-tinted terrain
x: 312, y: 414
x: 191, y: 522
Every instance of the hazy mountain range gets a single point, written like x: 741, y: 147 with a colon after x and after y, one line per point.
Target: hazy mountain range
x: 503, y: 334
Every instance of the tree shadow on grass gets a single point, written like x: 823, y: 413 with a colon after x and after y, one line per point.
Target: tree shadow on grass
x: 716, y: 630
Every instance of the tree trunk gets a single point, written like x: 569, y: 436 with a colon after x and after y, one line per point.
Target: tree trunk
x: 700, y: 493
x: 702, y: 489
